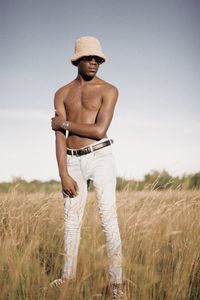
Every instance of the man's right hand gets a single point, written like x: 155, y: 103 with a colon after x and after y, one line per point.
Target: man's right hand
x: 70, y: 186
x: 57, y: 122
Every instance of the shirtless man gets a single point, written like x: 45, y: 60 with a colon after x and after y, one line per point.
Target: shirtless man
x: 84, y: 109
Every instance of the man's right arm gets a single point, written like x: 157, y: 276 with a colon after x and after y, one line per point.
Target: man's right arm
x: 69, y: 185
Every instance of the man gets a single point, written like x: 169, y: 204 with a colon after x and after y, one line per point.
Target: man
x: 84, y: 109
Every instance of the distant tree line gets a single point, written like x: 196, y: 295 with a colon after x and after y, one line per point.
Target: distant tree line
x: 161, y: 181
x: 152, y: 181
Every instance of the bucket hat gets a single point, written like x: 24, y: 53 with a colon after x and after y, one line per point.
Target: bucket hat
x: 87, y: 46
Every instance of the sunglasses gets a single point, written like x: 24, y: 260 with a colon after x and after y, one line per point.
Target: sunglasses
x: 97, y: 59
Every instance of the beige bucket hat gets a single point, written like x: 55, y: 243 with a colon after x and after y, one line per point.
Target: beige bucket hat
x: 86, y: 46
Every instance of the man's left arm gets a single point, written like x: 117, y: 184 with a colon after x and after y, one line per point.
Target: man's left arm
x: 103, y: 120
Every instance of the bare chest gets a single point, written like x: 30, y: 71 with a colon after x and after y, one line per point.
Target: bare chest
x: 88, y: 99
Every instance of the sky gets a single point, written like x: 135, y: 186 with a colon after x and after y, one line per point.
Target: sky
x: 153, y: 50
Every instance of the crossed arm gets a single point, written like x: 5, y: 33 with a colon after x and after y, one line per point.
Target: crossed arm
x: 96, y: 131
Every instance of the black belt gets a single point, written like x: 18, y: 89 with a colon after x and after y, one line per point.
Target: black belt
x: 89, y: 149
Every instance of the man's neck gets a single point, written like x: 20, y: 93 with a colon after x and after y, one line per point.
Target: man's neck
x: 82, y: 79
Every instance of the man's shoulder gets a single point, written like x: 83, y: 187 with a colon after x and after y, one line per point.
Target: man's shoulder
x: 63, y: 90
x: 108, y: 87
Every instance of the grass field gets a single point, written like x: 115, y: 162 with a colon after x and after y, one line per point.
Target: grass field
x: 160, y: 236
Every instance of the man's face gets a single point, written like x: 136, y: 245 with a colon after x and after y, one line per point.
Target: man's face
x: 88, y: 65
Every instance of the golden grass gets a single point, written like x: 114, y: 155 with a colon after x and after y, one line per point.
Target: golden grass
x: 160, y: 238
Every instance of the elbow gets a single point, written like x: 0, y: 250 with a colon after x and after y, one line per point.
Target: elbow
x: 100, y: 133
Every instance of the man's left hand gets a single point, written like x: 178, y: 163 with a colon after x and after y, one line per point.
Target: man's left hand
x: 57, y: 123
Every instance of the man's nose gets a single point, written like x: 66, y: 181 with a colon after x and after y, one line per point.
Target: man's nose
x: 93, y: 60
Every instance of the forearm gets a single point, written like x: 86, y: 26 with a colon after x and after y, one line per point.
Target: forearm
x: 61, y: 154
x: 94, y: 131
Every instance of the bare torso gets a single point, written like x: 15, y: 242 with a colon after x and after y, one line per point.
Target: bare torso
x: 82, y: 104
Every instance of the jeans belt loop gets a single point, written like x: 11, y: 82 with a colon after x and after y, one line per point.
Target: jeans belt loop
x: 91, y: 149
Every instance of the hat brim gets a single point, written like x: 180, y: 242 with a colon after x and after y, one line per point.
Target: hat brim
x: 77, y: 56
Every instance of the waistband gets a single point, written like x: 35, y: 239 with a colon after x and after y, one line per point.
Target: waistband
x: 90, y: 148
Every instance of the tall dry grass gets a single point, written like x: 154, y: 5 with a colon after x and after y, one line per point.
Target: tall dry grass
x: 160, y: 237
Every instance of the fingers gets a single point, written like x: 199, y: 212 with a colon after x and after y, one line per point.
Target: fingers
x: 65, y: 193
x: 72, y: 191
x: 54, y: 123
x: 70, y: 187
x: 68, y: 193
x: 71, y: 194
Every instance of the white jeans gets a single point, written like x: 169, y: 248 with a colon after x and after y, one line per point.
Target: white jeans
x: 100, y: 166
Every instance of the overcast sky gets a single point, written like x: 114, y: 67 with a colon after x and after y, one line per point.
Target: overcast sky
x: 153, y: 51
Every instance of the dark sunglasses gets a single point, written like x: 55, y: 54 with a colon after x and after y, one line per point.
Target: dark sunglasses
x: 89, y: 58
